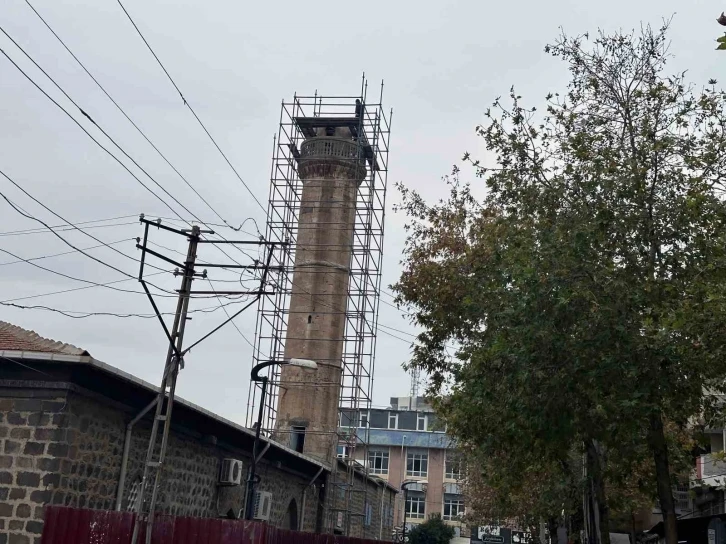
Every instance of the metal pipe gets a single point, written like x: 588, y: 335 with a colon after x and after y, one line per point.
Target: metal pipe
x: 125, y: 456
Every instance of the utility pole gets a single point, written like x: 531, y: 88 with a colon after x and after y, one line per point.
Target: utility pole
x: 154, y: 464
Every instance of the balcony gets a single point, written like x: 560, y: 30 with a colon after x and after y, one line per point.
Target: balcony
x: 711, y: 470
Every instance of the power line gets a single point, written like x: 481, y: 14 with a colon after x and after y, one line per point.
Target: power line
x: 184, y: 100
x: 74, y: 289
x: 24, y: 365
x: 27, y: 215
x: 60, y: 254
x: 83, y: 315
x: 129, y: 118
x: 231, y: 320
x: 87, y: 116
x: 67, y: 276
x: 65, y: 227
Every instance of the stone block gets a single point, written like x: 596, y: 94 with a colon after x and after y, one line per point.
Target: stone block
x: 6, y: 461
x: 12, y: 446
x: 52, y: 479
x: 28, y: 479
x: 34, y: 448
x: 16, y: 538
x: 48, y: 464
x: 17, y: 493
x: 6, y: 477
x: 22, y: 433
x: 6, y: 510
x: 39, y: 513
x: 45, y: 434
x: 4, y: 492
x: 3, y: 539
x: 58, y: 450
x: 25, y: 462
x: 40, y: 497
x: 15, y: 525
x: 14, y: 418
x: 35, y: 527
x: 23, y: 511
x: 27, y: 405
x: 39, y: 419
x: 4, y: 431
x: 53, y: 406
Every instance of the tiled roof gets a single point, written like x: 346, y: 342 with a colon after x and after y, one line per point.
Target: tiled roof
x: 14, y: 338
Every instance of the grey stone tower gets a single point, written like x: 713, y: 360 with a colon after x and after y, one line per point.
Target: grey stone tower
x: 331, y: 165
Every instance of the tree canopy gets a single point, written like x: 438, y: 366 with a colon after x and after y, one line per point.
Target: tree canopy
x: 431, y: 531
x: 578, y: 307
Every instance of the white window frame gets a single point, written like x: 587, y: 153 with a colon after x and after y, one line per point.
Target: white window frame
x: 453, y: 503
x: 420, y: 456
x: 417, y: 500
x: 383, y: 455
x: 422, y: 417
x: 345, y: 454
x: 365, y: 414
x: 394, y: 416
x: 453, y: 458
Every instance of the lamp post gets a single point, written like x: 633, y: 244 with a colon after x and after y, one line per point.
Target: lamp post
x: 404, y: 486
x: 302, y: 363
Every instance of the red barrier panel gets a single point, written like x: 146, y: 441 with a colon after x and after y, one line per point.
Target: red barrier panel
x: 65, y: 525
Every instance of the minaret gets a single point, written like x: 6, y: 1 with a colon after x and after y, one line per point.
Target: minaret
x: 331, y: 165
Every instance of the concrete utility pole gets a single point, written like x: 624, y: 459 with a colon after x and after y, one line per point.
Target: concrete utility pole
x: 154, y: 464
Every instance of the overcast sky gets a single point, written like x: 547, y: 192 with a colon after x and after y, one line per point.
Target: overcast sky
x: 443, y: 63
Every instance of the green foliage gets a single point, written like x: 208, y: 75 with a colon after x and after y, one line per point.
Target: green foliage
x: 585, y: 292
x: 431, y: 531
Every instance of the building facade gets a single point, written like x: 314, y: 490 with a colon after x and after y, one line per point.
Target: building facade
x: 68, y: 437
x: 406, y: 443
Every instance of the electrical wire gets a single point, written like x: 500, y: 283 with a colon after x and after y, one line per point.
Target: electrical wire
x: 74, y: 289
x: 226, y: 223
x: 83, y: 315
x: 24, y: 365
x: 233, y: 323
x: 85, y: 114
x: 61, y: 254
x: 65, y: 227
x: 27, y: 215
x: 184, y: 100
x: 67, y: 276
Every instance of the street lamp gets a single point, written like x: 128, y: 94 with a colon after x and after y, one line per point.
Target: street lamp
x: 302, y: 363
x: 404, y: 486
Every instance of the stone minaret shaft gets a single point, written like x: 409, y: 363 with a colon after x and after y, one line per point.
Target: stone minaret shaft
x: 331, y: 168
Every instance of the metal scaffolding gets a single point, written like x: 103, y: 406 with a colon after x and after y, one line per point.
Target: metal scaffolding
x: 364, y: 283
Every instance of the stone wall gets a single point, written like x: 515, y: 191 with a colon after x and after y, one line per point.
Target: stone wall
x: 58, y: 446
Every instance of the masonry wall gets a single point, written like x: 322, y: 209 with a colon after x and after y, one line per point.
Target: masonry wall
x: 58, y: 446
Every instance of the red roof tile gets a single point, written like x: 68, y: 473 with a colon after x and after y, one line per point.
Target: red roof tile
x: 14, y: 338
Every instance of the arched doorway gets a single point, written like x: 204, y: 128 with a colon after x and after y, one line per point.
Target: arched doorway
x: 292, y: 515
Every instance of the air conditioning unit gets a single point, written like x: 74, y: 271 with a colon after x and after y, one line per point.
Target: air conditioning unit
x: 263, y: 505
x: 231, y: 473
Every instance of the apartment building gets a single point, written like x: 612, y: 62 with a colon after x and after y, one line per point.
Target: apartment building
x: 406, y: 443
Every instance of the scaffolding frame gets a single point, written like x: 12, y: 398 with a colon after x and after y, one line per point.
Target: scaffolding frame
x: 364, y: 281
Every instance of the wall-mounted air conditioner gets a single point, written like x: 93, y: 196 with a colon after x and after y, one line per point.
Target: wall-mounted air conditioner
x: 263, y: 505
x: 231, y: 473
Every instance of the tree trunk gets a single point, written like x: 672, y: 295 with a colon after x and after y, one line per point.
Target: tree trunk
x: 659, y: 449
x: 598, y: 497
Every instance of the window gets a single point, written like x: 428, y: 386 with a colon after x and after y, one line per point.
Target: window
x: 393, y: 420
x: 364, y: 417
x: 343, y: 451
x: 297, y: 438
x: 417, y: 463
x: 453, y: 466
x: 378, y: 461
x: 388, y: 515
x: 421, y: 422
x: 368, y: 515
x: 453, y: 507
x: 415, y: 505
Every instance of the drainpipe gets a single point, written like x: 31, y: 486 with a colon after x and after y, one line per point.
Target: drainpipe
x: 125, y: 456
x: 301, y: 524
x: 383, y: 497
x: 403, y: 477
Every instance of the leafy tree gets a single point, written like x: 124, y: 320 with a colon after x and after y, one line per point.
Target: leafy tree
x: 585, y: 292
x: 431, y: 531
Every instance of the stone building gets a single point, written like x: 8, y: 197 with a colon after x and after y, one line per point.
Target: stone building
x: 66, y: 421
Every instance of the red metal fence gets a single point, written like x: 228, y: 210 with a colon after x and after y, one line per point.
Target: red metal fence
x: 78, y: 526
